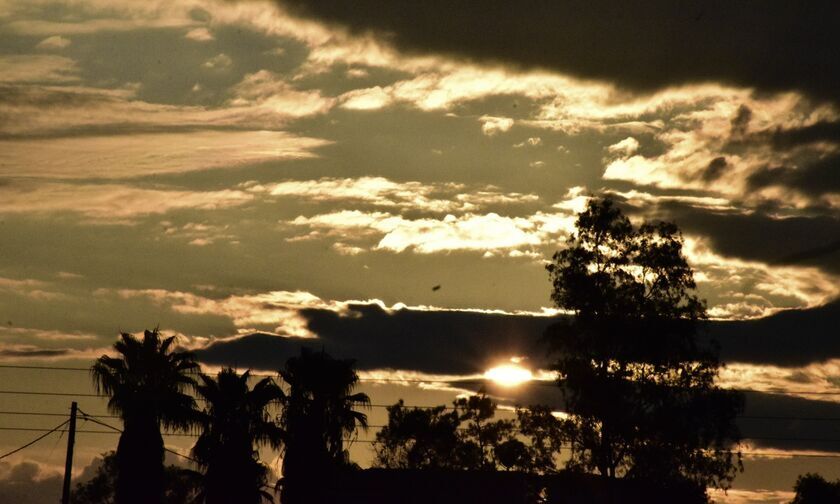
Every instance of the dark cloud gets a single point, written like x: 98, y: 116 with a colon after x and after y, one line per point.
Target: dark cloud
x: 816, y: 178
x: 429, y: 341
x: 810, y: 240
x: 471, y: 342
x: 822, y: 131
x: 740, y: 122
x: 790, y: 423
x: 771, y: 45
x: 715, y: 169
x: 33, y: 352
x: 24, y: 483
x: 788, y: 338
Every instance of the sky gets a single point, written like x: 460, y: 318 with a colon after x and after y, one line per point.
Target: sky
x: 386, y: 180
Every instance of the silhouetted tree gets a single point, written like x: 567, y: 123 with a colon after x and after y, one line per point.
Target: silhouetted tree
x: 482, y: 437
x: 180, y: 485
x: 147, y: 386
x: 235, y: 423
x: 319, y: 414
x: 418, y: 438
x: 640, y: 390
x: 546, y: 435
x: 814, y: 489
x: 465, y: 437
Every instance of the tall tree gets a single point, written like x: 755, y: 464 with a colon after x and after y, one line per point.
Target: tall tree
x: 236, y: 422
x: 640, y: 389
x: 147, y: 385
x: 319, y: 415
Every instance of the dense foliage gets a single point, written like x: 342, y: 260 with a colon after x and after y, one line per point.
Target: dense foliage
x: 466, y: 437
x: 641, y: 391
x: 814, y: 489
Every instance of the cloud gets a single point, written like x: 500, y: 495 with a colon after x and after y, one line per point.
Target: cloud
x: 366, y: 99
x: 273, y: 311
x: 37, y: 68
x: 24, y: 334
x: 97, y: 16
x: 266, y: 91
x: 768, y: 340
x: 762, y: 496
x: 628, y: 146
x: 732, y: 230
x: 110, y: 202
x: 750, y: 289
x: 200, y: 34
x: 30, y: 288
x: 395, y: 339
x: 716, y: 146
x: 220, y: 61
x: 383, y: 192
x: 816, y: 179
x: 21, y: 352
x: 493, y: 125
x: 490, y: 233
x: 54, y: 42
x: 656, y: 45
x: 260, y: 101
x: 28, y: 482
x: 530, y: 142
x: 143, y: 154
x: 277, y: 312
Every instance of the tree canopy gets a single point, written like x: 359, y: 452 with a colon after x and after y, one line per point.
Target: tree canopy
x: 467, y: 437
x: 814, y: 489
x: 236, y: 422
x: 147, y: 384
x: 641, y: 391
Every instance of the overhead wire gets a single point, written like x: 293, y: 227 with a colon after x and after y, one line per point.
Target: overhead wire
x: 27, y: 445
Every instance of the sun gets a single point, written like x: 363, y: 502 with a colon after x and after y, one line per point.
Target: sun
x: 509, y: 375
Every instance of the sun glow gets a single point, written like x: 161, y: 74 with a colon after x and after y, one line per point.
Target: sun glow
x: 509, y: 375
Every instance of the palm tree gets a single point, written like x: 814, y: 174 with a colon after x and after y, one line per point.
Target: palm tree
x: 147, y: 386
x: 236, y: 422
x: 319, y: 415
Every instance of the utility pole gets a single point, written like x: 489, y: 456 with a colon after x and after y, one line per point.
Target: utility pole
x: 68, y: 464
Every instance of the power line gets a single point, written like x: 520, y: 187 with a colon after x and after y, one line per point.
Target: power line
x: 87, y: 417
x: 407, y: 406
x: 27, y: 445
x: 116, y: 430
x: 39, y: 393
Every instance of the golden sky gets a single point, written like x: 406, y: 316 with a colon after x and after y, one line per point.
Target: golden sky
x: 306, y: 170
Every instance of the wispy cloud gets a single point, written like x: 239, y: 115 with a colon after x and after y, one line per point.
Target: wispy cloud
x: 38, y: 68
x: 380, y: 191
x: 54, y: 42
x: 150, y: 153
x: 110, y: 202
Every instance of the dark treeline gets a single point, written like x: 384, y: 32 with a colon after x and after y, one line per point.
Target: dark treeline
x: 643, y: 416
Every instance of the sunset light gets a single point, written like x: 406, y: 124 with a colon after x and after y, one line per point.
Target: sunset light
x: 509, y: 375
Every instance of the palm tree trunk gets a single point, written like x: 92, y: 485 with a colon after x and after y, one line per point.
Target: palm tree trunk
x: 140, y: 477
